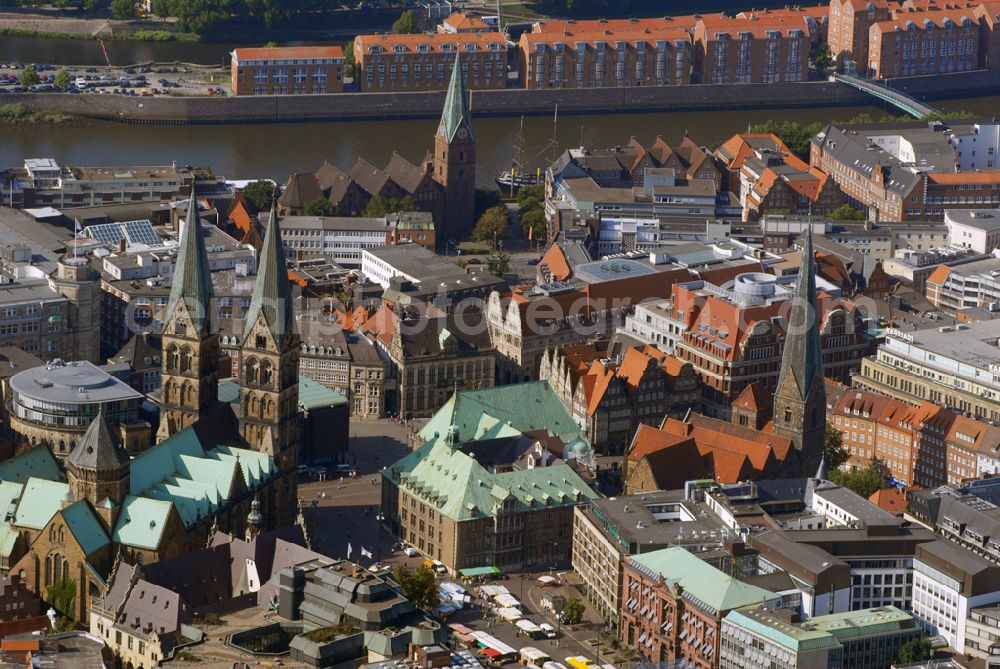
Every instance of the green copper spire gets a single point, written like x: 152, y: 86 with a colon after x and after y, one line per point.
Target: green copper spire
x: 192, y: 283
x: 802, y: 358
x: 456, y: 104
x: 272, y: 295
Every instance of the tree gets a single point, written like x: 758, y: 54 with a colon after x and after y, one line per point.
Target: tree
x: 572, y: 612
x: 29, y: 77
x: 846, y: 212
x: 406, y: 24
x: 122, y: 9
x: 530, y: 195
x: 498, y: 263
x: 160, y: 7
x: 491, y: 225
x: 379, y: 206
x: 821, y: 57
x: 258, y: 194
x: 349, y: 59
x: 864, y: 482
x: 63, y: 79
x: 91, y: 5
x: 534, y: 220
x: 915, y: 650
x: 319, y: 207
x: 834, y: 451
x: 420, y: 587
x: 486, y: 199
x: 795, y: 136
x: 61, y: 596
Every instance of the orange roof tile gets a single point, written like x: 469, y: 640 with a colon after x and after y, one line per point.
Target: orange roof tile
x: 890, y: 499
x: 460, y: 21
x: 958, y: 178
x: 753, y: 397
x: 939, y: 275
x: 555, y: 261
x: 288, y: 53
x: 433, y: 41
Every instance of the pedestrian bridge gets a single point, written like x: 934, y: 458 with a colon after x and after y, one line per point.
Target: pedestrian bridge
x: 895, y: 98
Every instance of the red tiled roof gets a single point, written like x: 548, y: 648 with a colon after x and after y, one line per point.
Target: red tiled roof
x: 890, y: 499
x: 754, y: 397
x: 555, y: 261
x: 288, y: 53
x: 939, y: 275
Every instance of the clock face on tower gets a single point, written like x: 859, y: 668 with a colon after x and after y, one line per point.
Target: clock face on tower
x: 462, y: 133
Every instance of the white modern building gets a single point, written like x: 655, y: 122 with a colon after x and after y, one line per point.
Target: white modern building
x: 976, y: 229
x: 949, y: 581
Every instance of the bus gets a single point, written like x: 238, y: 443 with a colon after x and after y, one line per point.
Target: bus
x: 579, y: 662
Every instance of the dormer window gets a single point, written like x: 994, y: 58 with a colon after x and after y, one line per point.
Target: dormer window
x: 399, y: 48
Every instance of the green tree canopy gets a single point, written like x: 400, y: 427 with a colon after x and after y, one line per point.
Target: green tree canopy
x: 821, y: 57
x: 795, y: 136
x: 160, y: 7
x: 420, y: 586
x: 572, y: 612
x: 834, y: 451
x: 379, y: 206
x: 534, y: 220
x: 491, y: 225
x: 122, y: 9
x: 349, y: 59
x: 257, y: 195
x: 865, y: 481
x: 915, y: 650
x: 61, y: 595
x: 63, y: 79
x: 319, y: 207
x: 29, y: 77
x: 406, y: 24
x: 846, y: 212
x: 498, y: 263
x: 486, y: 199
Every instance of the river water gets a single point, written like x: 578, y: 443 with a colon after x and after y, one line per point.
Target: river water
x: 275, y: 151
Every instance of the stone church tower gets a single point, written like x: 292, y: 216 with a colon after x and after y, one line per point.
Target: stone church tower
x: 800, y: 398
x: 98, y: 471
x: 455, y: 159
x: 190, y: 372
x: 269, y: 372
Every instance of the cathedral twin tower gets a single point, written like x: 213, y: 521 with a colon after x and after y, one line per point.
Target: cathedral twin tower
x: 269, y: 354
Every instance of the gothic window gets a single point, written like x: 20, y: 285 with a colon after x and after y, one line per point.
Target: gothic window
x: 48, y: 570
x: 250, y: 370
x: 788, y: 416
x: 186, y: 355
x: 187, y: 393
x: 266, y: 373
x: 62, y: 446
x: 172, y: 358
x: 261, y: 342
x: 252, y: 401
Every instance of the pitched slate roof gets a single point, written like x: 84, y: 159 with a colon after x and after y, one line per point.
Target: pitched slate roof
x: 404, y: 173
x: 703, y: 581
x: 368, y: 177
x: 192, y: 280
x: 272, y: 293
x: 97, y: 450
x: 456, y: 104
x: 302, y: 188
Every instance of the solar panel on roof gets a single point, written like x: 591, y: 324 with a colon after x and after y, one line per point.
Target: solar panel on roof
x: 133, y: 232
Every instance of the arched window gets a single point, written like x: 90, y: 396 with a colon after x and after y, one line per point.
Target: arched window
x: 266, y: 373
x: 252, y: 401
x: 250, y: 370
x: 48, y: 570
x: 62, y: 446
x: 269, y: 413
x: 172, y: 358
x: 186, y: 357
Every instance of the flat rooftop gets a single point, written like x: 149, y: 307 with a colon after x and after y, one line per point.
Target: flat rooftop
x: 982, y: 219
x: 656, y: 519
x: 72, y: 383
x: 974, y: 344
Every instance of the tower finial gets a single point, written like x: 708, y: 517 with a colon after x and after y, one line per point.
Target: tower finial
x: 192, y: 282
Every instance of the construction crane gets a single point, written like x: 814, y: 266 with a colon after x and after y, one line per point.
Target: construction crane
x: 104, y: 50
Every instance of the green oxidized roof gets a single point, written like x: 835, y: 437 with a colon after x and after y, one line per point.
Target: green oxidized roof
x: 141, y: 522
x: 272, y: 294
x: 802, y: 358
x: 38, y: 462
x: 866, y: 622
x: 504, y: 411
x: 462, y: 489
x: 39, y: 502
x: 701, y: 580
x: 784, y: 634
x: 8, y: 539
x: 314, y: 395
x: 192, y: 281
x: 84, y: 525
x: 456, y: 105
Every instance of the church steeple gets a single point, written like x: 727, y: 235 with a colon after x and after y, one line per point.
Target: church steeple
x: 800, y: 398
x: 190, y: 372
x: 455, y: 158
x: 192, y: 282
x: 269, y: 373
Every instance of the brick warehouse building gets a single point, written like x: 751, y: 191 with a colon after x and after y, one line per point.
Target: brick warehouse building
x: 287, y: 70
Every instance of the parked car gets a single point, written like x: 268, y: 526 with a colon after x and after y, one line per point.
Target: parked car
x: 410, y: 551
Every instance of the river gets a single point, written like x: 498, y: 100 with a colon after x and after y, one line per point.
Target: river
x: 275, y: 151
